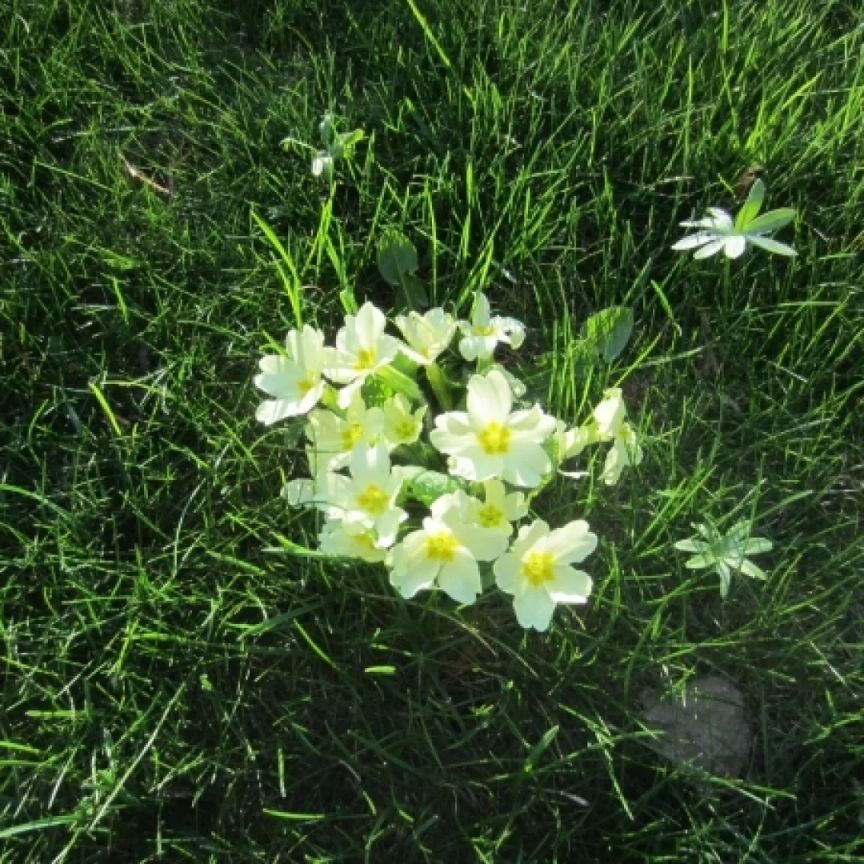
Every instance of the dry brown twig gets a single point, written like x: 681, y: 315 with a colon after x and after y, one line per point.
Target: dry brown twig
x: 137, y: 174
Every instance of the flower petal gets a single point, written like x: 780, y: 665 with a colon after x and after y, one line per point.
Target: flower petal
x: 735, y: 246
x: 526, y: 465
x: 489, y: 397
x: 506, y: 569
x: 460, y: 578
x: 693, y: 240
x: 710, y: 249
x: 572, y: 542
x: 570, y: 586
x: 534, y: 608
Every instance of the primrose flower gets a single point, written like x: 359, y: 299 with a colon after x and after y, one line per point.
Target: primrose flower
x: 610, y: 424
x: 719, y: 231
x: 350, y: 540
x: 725, y: 553
x: 362, y: 348
x: 401, y: 425
x: 625, y: 452
x: 537, y: 571
x: 332, y: 438
x: 484, y: 332
x: 489, y: 441
x: 609, y: 414
x: 368, y: 499
x: 293, y: 378
x: 499, y: 511
x: 322, y: 163
x: 571, y: 441
x: 444, y: 552
x: 317, y: 491
x: 427, y: 336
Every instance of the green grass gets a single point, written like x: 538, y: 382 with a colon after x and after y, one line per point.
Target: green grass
x: 173, y: 689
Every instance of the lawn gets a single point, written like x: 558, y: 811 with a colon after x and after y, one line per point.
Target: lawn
x: 180, y: 681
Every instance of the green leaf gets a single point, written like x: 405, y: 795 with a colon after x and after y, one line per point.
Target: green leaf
x: 396, y: 257
x: 772, y: 220
x: 751, y: 206
x: 769, y: 244
x: 725, y: 575
x: 327, y: 131
x: 609, y: 330
x: 427, y: 486
x: 690, y: 545
x: 347, y: 140
x: 294, y: 816
x: 701, y: 561
x: 289, y: 547
x: 739, y: 531
x: 539, y: 748
x: 582, y: 356
x: 748, y: 568
x: 414, y: 292
x: 397, y: 263
x: 757, y: 545
x: 348, y: 301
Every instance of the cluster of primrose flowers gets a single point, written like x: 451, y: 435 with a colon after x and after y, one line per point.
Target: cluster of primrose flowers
x: 374, y: 450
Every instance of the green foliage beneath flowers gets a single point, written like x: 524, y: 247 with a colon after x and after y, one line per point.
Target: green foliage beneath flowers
x: 178, y: 687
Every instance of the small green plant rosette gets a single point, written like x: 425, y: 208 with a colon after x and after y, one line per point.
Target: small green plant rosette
x: 725, y: 553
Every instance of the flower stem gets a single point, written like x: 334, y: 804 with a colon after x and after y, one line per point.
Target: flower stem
x: 400, y: 382
x: 440, y: 386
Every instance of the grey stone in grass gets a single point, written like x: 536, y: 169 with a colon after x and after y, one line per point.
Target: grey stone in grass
x: 704, y: 726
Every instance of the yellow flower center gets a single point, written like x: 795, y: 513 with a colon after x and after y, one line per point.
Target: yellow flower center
x: 363, y: 542
x: 373, y: 499
x: 404, y: 429
x: 351, y: 434
x: 489, y: 516
x: 484, y: 330
x: 495, y: 439
x: 304, y: 385
x: 365, y: 359
x: 441, y: 546
x: 537, y: 567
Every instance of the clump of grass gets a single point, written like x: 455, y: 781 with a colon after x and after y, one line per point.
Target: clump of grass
x: 172, y: 688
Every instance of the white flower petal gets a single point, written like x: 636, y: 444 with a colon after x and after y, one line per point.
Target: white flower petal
x: 534, y: 608
x: 735, y: 246
x: 412, y: 572
x: 527, y: 464
x: 369, y: 323
x: 506, y: 570
x: 271, y: 411
x: 572, y: 542
x: 610, y: 413
x: 485, y: 544
x: 570, y: 586
x: 460, y: 578
x: 489, y: 397
x: 693, y: 240
x: 710, y: 249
